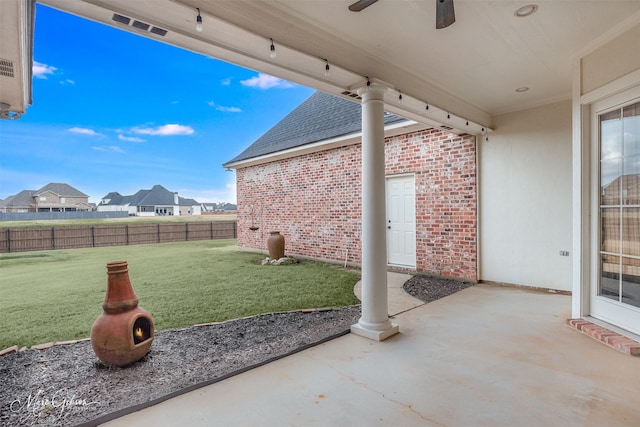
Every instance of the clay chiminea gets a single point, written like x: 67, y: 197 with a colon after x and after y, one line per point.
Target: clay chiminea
x: 124, y: 332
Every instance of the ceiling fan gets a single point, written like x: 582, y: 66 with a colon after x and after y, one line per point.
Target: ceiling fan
x: 445, y: 14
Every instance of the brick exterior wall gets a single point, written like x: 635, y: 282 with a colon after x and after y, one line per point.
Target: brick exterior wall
x: 314, y: 201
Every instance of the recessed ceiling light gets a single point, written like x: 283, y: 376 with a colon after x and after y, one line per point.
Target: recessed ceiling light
x: 527, y: 10
x: 522, y: 89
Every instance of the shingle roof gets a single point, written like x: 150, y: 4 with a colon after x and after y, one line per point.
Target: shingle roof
x: 320, y: 117
x: 22, y: 199
x: 61, y: 189
x: 157, y: 196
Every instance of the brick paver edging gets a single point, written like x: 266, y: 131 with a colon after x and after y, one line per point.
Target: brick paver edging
x: 612, y: 339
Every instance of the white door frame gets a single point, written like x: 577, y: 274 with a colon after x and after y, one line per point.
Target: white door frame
x: 623, y: 315
x: 410, y: 261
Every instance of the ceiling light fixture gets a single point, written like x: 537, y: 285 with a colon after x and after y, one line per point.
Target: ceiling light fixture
x: 525, y: 11
x: 427, y: 107
x: 522, y: 89
x: 198, y: 21
x: 327, y: 68
x: 272, y: 49
x: 400, y: 97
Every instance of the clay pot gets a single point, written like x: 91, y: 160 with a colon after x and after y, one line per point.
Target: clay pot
x: 124, y: 332
x: 275, y: 244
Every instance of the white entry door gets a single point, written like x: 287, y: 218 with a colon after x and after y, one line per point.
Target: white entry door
x: 615, y: 288
x: 401, y: 221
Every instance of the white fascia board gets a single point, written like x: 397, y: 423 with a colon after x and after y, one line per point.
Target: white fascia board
x: 327, y: 144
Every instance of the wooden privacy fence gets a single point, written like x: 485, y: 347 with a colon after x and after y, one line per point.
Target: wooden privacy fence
x: 48, y: 238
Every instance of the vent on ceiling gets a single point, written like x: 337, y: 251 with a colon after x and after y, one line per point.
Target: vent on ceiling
x: 148, y: 28
x: 158, y: 31
x: 140, y: 25
x: 351, y: 94
x: 6, y: 68
x: 121, y: 19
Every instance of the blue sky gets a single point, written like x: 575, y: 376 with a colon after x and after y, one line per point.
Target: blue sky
x: 113, y: 111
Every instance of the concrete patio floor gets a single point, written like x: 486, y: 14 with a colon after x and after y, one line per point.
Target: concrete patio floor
x: 485, y: 356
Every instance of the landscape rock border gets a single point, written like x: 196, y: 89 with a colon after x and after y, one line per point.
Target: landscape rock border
x: 64, y: 384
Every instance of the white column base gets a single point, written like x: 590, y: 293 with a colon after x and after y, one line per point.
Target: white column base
x: 373, y: 334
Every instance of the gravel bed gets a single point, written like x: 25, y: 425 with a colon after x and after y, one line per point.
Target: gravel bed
x: 66, y: 385
x: 429, y: 289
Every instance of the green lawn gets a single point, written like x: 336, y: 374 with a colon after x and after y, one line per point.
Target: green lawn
x: 56, y: 295
x: 126, y: 220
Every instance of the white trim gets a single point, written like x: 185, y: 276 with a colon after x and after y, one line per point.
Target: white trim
x: 620, y: 314
x: 610, y: 35
x: 622, y: 84
x: 391, y: 130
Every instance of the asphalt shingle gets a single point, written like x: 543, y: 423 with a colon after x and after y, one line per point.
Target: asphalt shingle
x: 320, y: 117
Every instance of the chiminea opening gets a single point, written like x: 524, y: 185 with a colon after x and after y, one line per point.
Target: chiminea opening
x: 141, y: 330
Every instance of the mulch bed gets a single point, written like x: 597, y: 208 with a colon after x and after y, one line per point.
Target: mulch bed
x: 429, y: 289
x: 66, y: 384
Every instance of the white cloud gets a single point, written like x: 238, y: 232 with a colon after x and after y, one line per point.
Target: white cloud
x: 108, y: 148
x: 265, y: 81
x: 84, y: 131
x: 225, y: 82
x: 121, y: 137
x: 226, y: 194
x: 223, y: 108
x: 171, y: 129
x: 228, y: 109
x: 67, y: 82
x: 41, y: 71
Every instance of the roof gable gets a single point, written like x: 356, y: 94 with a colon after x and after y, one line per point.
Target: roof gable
x: 22, y: 199
x: 61, y: 189
x: 320, y: 117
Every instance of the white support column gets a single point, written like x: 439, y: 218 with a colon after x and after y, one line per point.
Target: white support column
x: 374, y: 323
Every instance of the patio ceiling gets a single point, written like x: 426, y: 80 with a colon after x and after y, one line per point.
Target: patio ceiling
x: 469, y: 71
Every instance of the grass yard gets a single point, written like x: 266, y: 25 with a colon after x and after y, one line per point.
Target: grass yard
x: 56, y: 295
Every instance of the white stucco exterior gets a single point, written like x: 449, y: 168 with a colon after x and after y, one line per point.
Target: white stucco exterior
x: 524, y: 219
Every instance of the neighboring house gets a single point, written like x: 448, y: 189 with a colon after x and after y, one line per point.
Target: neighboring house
x: 303, y: 176
x: 219, y: 207
x: 156, y: 201
x: 53, y: 197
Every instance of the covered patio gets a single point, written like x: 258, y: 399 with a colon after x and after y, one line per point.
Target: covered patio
x: 535, y: 91
x: 486, y: 356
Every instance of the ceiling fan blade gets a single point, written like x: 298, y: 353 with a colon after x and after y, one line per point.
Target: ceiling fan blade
x: 445, y: 14
x: 361, y: 4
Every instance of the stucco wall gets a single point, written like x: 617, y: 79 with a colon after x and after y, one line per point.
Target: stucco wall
x: 525, y: 198
x: 315, y: 199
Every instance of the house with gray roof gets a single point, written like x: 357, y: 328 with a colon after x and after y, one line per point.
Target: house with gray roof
x: 303, y: 178
x: 155, y: 201
x: 53, y: 197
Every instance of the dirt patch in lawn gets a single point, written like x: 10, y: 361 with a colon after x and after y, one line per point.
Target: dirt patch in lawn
x: 66, y: 385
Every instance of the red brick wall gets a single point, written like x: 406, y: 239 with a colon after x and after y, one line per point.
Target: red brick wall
x: 314, y: 201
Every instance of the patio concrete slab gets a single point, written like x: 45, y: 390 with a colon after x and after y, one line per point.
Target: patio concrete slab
x: 485, y: 356
x: 398, y: 300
